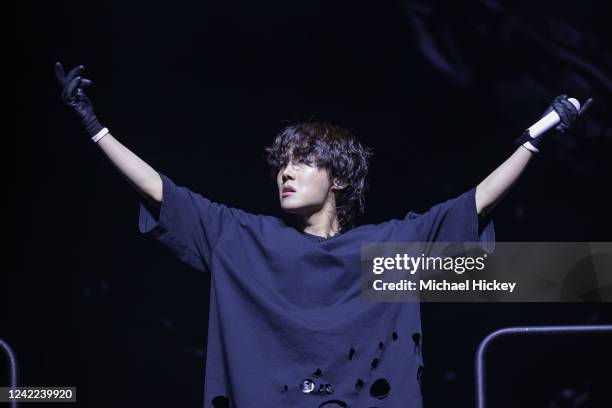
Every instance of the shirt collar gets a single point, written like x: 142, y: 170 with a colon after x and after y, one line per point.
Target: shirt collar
x: 318, y: 238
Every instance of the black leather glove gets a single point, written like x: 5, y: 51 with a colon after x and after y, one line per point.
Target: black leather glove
x: 568, y: 114
x: 74, y: 96
x: 567, y: 111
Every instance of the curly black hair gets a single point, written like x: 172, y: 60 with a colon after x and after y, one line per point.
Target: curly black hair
x: 334, y: 148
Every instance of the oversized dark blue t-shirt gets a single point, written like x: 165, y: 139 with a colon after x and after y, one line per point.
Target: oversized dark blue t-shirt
x: 287, y: 325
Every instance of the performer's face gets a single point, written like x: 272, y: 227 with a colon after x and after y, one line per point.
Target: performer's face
x: 311, y: 185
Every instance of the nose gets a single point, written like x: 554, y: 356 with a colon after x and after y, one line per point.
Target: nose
x: 287, y: 173
x: 286, y: 176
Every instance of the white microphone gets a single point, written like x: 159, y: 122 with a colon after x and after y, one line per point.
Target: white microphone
x: 549, y: 121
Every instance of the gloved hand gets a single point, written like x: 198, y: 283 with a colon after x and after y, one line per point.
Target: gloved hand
x: 74, y: 96
x: 568, y: 114
x: 567, y: 111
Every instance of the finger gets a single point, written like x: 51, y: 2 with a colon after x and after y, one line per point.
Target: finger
x: 83, y: 97
x: 565, y: 114
x: 570, y: 110
x: 85, y: 83
x: 586, y: 106
x: 76, y: 71
x: 568, y: 105
x: 72, y: 85
x: 59, y: 72
x: 560, y: 98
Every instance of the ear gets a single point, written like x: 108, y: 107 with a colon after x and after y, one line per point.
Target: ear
x: 337, y: 185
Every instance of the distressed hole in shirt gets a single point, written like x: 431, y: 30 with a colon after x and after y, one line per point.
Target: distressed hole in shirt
x: 381, y: 345
x: 394, y: 336
x: 359, y: 385
x: 326, y: 388
x: 220, y: 401
x: 375, y: 363
x: 380, y: 388
x: 317, y: 373
x: 285, y: 388
x: 420, y: 374
x: 351, y: 353
x: 333, y: 403
x: 416, y: 338
x: 307, y: 386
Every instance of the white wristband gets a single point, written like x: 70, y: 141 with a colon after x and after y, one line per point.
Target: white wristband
x: 100, y: 135
x: 531, y: 147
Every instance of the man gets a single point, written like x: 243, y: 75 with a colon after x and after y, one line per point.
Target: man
x: 287, y: 325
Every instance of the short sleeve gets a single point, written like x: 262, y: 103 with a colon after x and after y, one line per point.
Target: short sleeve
x: 187, y: 223
x: 455, y: 220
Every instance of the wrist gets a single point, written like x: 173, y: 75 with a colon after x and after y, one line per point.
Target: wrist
x: 531, y: 148
x: 528, y: 142
x: 100, y: 135
x: 93, y: 126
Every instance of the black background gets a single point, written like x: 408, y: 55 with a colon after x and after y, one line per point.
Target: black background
x: 198, y: 89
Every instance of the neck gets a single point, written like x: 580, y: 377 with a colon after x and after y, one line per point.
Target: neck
x: 325, y: 228
x: 323, y: 223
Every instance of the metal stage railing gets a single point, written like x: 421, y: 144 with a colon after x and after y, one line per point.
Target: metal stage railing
x: 10, y: 356
x: 516, y: 331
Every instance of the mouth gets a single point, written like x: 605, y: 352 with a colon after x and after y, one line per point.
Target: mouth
x: 287, y: 190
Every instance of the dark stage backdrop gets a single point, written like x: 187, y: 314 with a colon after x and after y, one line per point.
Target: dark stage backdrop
x: 198, y: 89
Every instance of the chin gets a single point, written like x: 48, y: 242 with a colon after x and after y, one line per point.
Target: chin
x: 291, y: 209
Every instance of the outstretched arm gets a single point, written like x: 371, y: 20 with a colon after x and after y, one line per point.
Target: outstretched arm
x: 497, y: 184
x: 136, y: 171
x: 493, y: 188
x: 139, y: 174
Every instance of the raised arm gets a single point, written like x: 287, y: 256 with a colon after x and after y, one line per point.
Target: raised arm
x: 497, y: 184
x: 136, y: 171
x: 145, y: 180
